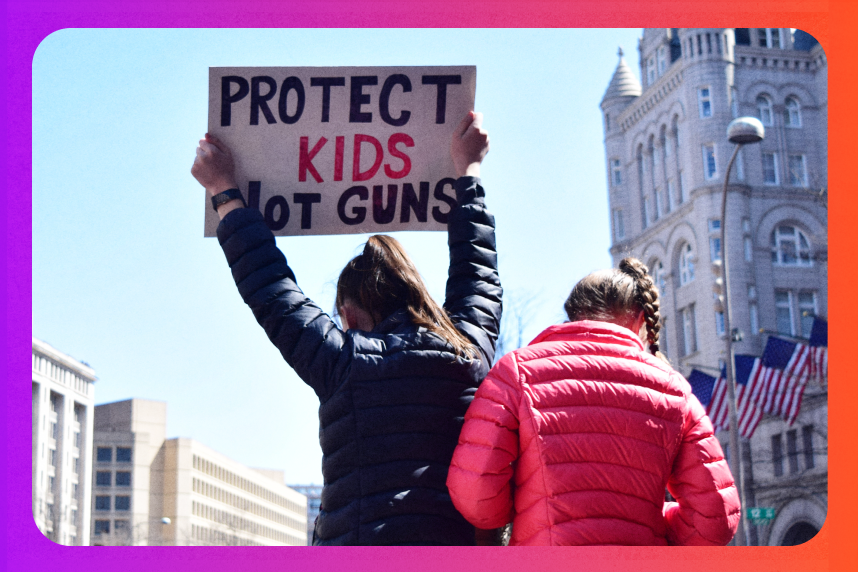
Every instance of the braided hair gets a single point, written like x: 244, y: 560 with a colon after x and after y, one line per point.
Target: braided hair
x: 619, y: 296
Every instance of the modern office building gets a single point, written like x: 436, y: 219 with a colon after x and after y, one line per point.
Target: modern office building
x: 314, y: 505
x: 63, y: 390
x: 150, y: 490
x: 667, y: 153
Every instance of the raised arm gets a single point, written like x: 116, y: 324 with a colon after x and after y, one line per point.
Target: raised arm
x: 308, y: 339
x: 473, y: 299
x: 707, y: 508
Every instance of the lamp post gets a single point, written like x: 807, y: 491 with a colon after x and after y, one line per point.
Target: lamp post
x: 741, y: 131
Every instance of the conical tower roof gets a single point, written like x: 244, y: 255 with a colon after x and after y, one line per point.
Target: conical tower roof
x: 624, y: 83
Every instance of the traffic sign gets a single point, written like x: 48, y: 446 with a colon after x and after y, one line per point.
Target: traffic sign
x: 760, y: 515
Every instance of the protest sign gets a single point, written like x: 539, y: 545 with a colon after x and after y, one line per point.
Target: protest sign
x: 342, y: 150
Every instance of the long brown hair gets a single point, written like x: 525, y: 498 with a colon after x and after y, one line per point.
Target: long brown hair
x: 619, y: 296
x: 382, y: 279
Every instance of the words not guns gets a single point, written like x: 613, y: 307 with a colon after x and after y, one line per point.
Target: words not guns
x: 355, y: 203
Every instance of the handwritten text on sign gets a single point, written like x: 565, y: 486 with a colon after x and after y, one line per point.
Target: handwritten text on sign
x: 342, y: 150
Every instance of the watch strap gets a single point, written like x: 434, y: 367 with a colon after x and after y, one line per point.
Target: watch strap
x: 226, y: 196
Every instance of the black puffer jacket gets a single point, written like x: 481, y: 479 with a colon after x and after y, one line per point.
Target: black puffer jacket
x: 392, y: 400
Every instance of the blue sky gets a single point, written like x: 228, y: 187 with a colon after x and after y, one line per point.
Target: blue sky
x: 124, y: 280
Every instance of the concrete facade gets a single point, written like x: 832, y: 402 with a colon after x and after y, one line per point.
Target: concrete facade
x: 149, y: 490
x: 63, y: 390
x: 666, y: 156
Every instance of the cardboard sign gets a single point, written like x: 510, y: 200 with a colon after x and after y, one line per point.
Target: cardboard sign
x: 342, y: 150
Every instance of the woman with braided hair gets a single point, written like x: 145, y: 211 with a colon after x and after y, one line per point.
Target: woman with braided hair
x: 575, y: 437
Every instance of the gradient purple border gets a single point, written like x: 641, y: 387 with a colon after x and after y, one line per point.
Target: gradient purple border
x: 28, y: 23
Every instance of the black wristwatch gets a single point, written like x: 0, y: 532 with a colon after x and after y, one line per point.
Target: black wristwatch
x: 226, y: 196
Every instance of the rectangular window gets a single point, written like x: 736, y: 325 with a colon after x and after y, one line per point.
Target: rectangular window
x: 807, y: 311
x: 777, y: 455
x: 710, y: 170
x: 123, y: 454
x: 714, y: 225
x: 661, y: 53
x: 797, y: 172
x: 714, y: 248
x: 659, y: 208
x: 123, y: 479
x: 102, y: 478
x: 122, y: 502
x: 704, y: 102
x: 650, y: 71
x: 102, y: 527
x: 76, y: 465
x: 53, y: 455
x: 616, y: 172
x: 671, y: 195
x: 121, y: 527
x: 104, y: 454
x: 619, y: 226
x: 770, y: 168
x: 792, y: 450
x: 719, y: 324
x: 77, y: 439
x: 755, y: 318
x: 740, y: 166
x: 783, y: 312
x: 102, y: 502
x: 734, y: 102
x: 689, y: 330
x: 807, y: 438
x: 749, y: 249
x: 646, y: 212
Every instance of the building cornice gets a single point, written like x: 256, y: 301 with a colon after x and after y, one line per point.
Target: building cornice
x: 650, y: 98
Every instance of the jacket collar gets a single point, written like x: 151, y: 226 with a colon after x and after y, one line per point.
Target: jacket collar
x: 393, y: 322
x: 590, y: 330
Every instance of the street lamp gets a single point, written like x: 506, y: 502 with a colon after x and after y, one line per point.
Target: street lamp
x: 741, y: 131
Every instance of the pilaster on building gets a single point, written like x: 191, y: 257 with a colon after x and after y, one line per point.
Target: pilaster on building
x: 666, y: 154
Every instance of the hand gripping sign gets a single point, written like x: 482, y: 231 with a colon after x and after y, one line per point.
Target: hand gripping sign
x: 342, y: 150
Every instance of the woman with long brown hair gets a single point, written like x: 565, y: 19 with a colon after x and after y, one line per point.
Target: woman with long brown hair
x: 394, y: 383
x: 574, y: 438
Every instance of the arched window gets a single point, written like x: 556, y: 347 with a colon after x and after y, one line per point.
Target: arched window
x: 686, y: 264
x: 792, y: 112
x: 657, y: 271
x: 764, y: 109
x: 790, y: 247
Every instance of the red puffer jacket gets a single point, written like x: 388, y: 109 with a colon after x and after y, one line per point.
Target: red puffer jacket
x: 592, y: 429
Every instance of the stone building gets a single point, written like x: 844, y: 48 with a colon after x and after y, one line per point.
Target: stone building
x: 666, y: 156
x: 63, y: 390
x: 150, y: 490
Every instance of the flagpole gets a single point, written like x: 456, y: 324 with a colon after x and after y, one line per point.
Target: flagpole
x: 740, y: 131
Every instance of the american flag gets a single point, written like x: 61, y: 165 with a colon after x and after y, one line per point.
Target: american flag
x: 779, y: 383
x: 748, y: 411
x: 819, y: 351
x: 712, y: 394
